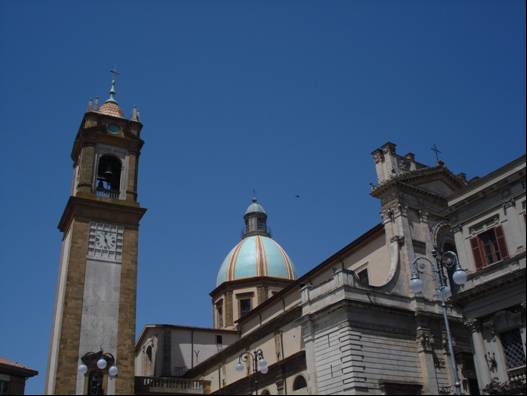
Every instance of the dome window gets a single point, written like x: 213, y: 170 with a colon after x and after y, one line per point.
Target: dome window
x: 300, y: 383
x: 245, y: 306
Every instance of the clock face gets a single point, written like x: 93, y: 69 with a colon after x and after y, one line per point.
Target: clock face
x: 105, y: 240
x: 100, y: 240
x: 114, y: 128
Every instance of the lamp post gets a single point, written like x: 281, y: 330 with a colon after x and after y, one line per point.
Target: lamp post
x: 259, y: 364
x: 97, y: 363
x: 459, y: 277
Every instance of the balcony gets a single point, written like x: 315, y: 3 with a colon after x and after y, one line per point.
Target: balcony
x: 170, y: 385
x: 517, y: 374
x: 104, y: 193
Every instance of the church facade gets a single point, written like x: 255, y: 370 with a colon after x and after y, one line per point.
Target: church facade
x: 354, y: 324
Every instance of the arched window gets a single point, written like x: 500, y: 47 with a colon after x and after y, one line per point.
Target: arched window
x: 265, y: 392
x: 149, y: 352
x: 108, y: 177
x: 299, y: 383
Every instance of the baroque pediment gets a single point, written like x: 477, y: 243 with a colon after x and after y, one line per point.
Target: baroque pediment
x: 437, y: 181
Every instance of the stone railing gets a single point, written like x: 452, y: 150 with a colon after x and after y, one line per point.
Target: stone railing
x: 517, y: 374
x: 170, y: 385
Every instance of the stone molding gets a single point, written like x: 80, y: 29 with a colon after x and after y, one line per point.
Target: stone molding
x: 474, y: 325
x: 425, y: 338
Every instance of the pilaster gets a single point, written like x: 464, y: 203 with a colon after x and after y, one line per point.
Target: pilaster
x: 425, y: 352
x: 483, y: 363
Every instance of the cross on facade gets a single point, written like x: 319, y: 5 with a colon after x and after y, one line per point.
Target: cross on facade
x: 436, y: 151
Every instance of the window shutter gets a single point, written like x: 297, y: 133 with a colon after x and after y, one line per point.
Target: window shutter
x: 476, y: 251
x: 500, y: 237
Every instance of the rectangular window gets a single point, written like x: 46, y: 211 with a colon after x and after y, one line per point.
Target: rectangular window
x: 419, y: 247
x: 489, y: 247
x: 219, y: 339
x: 363, y: 277
x: 513, y: 348
x: 219, y: 313
x: 245, y: 306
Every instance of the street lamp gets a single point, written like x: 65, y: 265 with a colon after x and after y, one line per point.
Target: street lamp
x: 459, y: 277
x: 97, y: 363
x: 259, y: 364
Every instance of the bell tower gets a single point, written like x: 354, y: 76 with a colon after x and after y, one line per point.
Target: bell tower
x: 95, y: 306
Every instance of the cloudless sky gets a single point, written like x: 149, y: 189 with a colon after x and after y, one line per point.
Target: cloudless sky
x: 286, y: 97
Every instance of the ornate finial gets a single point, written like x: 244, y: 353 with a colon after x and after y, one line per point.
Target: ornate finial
x: 96, y: 104
x: 436, y: 151
x: 254, y: 196
x: 135, y: 114
x: 115, y: 73
x: 90, y: 105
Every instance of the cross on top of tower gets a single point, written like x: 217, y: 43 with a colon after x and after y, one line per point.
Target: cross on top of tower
x: 115, y: 73
x: 436, y: 151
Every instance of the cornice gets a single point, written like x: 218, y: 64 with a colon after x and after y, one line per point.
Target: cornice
x: 93, y: 209
x: 17, y: 371
x: 246, y: 341
x: 485, y: 287
x: 94, y: 135
x: 253, y: 281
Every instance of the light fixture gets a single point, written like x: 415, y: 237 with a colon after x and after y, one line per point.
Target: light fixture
x: 460, y: 276
x: 240, y: 366
x: 443, y: 290
x: 102, y: 363
x: 83, y: 369
x: 416, y: 284
x: 262, y: 366
x: 113, y: 371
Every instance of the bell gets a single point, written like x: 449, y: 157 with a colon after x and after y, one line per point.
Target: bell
x: 108, y: 173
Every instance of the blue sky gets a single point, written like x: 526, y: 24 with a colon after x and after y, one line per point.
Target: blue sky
x: 285, y: 97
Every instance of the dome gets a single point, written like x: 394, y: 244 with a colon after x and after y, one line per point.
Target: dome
x: 256, y: 256
x: 255, y: 207
x: 111, y: 108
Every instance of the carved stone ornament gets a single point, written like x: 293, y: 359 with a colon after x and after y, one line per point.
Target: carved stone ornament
x: 457, y: 228
x: 492, y: 364
x: 387, y: 215
x: 399, y: 210
x: 423, y: 216
x: 399, y: 239
x: 426, y: 338
x: 488, y: 330
x: 474, y: 325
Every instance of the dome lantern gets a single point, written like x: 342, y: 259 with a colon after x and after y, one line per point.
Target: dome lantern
x: 255, y: 220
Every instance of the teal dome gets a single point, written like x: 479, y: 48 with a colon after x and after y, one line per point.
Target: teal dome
x: 255, y: 207
x: 256, y: 256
